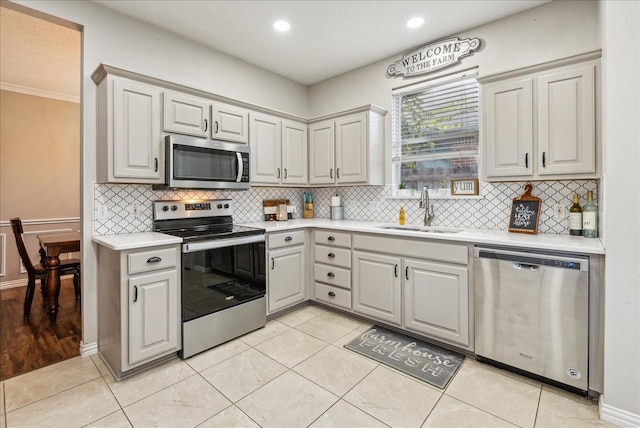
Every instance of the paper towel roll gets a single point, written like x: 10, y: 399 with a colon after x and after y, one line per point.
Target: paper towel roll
x: 335, y: 201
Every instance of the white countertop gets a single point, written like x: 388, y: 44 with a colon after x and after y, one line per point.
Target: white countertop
x: 128, y: 241
x: 574, y: 244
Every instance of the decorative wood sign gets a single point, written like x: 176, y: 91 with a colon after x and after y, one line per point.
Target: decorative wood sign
x: 464, y: 187
x: 433, y: 57
x: 525, y: 212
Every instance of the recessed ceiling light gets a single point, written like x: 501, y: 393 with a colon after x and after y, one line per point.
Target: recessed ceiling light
x: 281, y: 26
x: 415, y: 22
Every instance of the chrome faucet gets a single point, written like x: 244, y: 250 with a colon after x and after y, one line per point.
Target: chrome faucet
x: 424, y: 203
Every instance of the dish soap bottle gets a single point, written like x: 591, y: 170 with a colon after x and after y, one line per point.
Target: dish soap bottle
x: 575, y: 217
x: 401, y: 216
x: 590, y: 218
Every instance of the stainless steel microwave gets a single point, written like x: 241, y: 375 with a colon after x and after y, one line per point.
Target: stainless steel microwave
x: 197, y: 163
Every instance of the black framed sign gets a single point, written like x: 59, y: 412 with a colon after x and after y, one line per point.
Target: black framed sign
x: 525, y: 212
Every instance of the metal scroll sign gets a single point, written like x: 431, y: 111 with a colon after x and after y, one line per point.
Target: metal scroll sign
x: 433, y: 57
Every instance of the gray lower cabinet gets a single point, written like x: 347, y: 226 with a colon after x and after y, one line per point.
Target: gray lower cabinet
x: 377, y: 286
x: 138, y: 307
x: 416, y: 284
x: 286, y: 278
x: 436, y: 300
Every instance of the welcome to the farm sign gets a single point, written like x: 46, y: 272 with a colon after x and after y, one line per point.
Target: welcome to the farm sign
x: 434, y: 56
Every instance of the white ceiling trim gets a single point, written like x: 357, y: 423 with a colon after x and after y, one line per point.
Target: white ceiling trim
x: 37, y: 92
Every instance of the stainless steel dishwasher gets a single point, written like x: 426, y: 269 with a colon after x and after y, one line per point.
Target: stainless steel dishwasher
x: 532, y: 313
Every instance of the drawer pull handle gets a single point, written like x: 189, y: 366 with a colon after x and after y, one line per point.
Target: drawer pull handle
x: 331, y: 294
x: 331, y: 255
x: 331, y: 275
x: 395, y: 270
x: 544, y: 159
x: 526, y: 160
x: 273, y: 263
x: 288, y: 238
x: 331, y: 239
x: 135, y: 293
x: 406, y: 272
x: 206, y: 125
x: 154, y: 260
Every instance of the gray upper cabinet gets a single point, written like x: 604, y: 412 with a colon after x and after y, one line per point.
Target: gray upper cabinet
x: 347, y: 148
x: 129, y: 139
x: 229, y: 123
x: 541, y: 125
x: 185, y: 114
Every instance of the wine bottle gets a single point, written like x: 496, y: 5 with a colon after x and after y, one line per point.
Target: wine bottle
x: 575, y: 217
x: 590, y: 218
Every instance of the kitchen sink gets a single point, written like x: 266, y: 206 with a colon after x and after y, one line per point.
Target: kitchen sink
x: 418, y: 229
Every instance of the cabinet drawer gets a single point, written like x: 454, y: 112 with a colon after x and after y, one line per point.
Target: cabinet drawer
x: 413, y: 247
x: 333, y: 295
x: 333, y: 256
x: 278, y: 240
x: 335, y: 239
x: 332, y: 275
x: 157, y: 259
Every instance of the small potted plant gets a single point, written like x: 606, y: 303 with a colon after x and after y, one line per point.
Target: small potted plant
x: 443, y: 190
x: 402, y: 190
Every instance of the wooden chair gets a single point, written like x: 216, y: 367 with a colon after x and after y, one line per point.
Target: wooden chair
x: 39, y: 271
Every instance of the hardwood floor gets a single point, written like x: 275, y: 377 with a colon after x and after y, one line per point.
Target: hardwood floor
x: 27, y: 345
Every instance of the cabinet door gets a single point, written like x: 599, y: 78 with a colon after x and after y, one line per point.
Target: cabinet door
x: 153, y: 315
x: 286, y: 285
x: 137, y: 144
x: 265, y: 145
x: 436, y: 300
x: 185, y: 115
x: 294, y: 153
x: 507, y: 120
x: 376, y: 287
x: 566, y: 121
x: 351, y: 149
x: 229, y: 123
x: 321, y: 153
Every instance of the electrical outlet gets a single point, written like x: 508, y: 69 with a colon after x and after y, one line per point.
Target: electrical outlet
x: 558, y: 212
x: 102, y: 212
x: 353, y: 205
x: 374, y: 206
x: 135, y: 209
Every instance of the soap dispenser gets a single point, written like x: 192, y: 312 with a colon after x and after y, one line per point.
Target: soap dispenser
x: 401, y: 216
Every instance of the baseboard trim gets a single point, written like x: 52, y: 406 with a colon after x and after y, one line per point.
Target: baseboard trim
x: 618, y: 416
x: 22, y: 282
x: 87, y: 349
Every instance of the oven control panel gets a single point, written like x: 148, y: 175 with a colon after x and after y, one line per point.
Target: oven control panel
x: 170, y: 210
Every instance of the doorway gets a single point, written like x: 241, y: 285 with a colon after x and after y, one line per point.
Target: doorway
x: 40, y: 170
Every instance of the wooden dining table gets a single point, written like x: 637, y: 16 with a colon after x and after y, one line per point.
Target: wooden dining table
x: 55, y: 244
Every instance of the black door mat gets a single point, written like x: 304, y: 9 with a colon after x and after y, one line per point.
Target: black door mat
x: 422, y: 360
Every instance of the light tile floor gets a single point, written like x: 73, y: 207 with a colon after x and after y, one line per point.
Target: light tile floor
x: 292, y: 373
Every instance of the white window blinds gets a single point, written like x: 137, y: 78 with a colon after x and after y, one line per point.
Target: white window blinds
x: 436, y: 121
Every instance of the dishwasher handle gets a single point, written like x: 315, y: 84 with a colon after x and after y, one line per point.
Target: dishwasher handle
x: 529, y: 260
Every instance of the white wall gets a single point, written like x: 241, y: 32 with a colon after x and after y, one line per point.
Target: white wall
x: 554, y: 30
x: 116, y: 40
x: 621, y: 141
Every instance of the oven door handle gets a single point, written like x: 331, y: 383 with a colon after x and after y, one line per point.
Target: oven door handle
x: 221, y: 243
x: 240, y: 167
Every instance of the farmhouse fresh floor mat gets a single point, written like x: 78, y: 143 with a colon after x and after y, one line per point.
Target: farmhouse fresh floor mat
x: 424, y: 361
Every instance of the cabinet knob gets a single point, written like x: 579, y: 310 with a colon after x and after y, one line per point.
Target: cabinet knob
x: 331, y: 294
x: 331, y: 255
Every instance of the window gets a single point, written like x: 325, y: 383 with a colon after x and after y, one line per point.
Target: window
x: 435, y: 133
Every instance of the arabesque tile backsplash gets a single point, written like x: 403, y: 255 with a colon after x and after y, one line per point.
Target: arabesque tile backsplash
x: 490, y: 210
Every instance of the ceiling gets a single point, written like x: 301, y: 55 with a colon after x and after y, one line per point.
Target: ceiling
x: 327, y: 38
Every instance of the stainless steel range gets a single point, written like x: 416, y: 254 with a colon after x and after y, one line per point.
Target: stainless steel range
x: 223, y: 271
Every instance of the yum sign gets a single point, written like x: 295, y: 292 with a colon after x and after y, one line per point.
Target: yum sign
x: 434, y: 56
